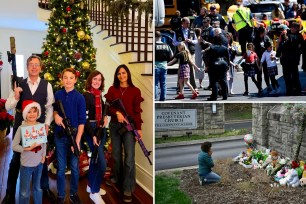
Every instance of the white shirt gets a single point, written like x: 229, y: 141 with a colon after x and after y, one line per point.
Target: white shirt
x: 266, y: 56
x: 11, y: 102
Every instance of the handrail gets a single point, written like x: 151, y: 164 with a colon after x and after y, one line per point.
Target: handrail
x: 129, y: 28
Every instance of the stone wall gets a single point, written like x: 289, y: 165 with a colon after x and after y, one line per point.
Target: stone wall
x: 207, y: 122
x: 274, y: 128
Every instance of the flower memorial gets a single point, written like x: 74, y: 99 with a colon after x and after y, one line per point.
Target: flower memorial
x: 6, y: 120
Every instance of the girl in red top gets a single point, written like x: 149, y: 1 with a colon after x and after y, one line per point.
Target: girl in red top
x: 249, y: 67
x: 124, y: 168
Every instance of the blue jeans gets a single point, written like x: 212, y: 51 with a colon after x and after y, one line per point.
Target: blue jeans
x: 210, y: 178
x: 26, y: 175
x: 124, y: 168
x: 160, y: 77
x: 96, y: 170
x: 62, y: 147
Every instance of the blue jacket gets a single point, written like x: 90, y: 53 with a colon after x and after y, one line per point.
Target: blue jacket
x: 205, y: 163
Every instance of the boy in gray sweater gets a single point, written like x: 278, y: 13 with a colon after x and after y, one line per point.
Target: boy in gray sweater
x: 32, y: 157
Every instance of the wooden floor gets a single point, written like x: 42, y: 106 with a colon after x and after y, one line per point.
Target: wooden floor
x: 112, y: 196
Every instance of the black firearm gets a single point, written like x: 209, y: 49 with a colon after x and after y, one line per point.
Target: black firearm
x: 12, y: 60
x: 130, y: 126
x: 69, y: 130
x: 100, y: 133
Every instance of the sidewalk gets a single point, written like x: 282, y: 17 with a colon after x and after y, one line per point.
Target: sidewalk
x: 192, y: 142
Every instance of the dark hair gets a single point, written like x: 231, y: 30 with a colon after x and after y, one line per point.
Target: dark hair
x: 230, y: 42
x: 116, y: 83
x: 89, y: 80
x: 197, y: 31
x: 35, y: 57
x: 267, y: 44
x: 157, y: 34
x: 69, y: 70
x: 217, y: 40
x: 206, y: 146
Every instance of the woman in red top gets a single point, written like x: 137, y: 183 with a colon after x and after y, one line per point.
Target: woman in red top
x: 124, y: 168
x: 249, y: 67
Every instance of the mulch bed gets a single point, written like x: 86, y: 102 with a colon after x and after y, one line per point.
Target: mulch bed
x: 238, y: 185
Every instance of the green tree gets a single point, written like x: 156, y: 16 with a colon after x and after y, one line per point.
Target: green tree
x: 68, y: 42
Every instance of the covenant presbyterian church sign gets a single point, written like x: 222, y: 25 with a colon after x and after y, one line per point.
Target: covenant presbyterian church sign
x: 175, y: 119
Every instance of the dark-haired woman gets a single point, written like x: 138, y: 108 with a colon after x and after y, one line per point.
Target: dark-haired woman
x: 124, y: 168
x: 206, y: 175
x: 94, y: 105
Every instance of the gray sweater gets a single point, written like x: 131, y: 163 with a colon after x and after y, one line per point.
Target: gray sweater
x: 28, y: 158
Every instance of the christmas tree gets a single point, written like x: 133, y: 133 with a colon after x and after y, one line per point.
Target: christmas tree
x: 68, y: 43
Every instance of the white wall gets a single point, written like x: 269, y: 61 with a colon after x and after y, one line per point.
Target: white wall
x: 27, y: 42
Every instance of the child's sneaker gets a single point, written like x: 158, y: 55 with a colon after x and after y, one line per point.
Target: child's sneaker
x: 96, y: 198
x: 180, y: 96
x: 194, y: 95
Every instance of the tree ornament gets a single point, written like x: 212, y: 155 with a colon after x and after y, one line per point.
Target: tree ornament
x: 47, y: 76
x: 77, y: 55
x: 81, y: 34
x: 68, y: 9
x: 87, y: 37
x: 85, y: 65
x: 58, y: 38
x: 78, y: 73
x: 64, y: 30
x: 78, y: 19
x: 46, y: 53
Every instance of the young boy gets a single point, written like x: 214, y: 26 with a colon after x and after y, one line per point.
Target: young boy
x: 75, y: 109
x: 269, y: 57
x: 32, y: 157
x: 206, y: 175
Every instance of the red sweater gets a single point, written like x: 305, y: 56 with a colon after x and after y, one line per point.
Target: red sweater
x: 131, y: 99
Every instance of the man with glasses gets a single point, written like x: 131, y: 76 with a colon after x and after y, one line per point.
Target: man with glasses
x: 39, y: 90
x: 188, y: 36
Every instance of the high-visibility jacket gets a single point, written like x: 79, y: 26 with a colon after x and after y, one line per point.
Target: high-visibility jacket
x: 245, y: 20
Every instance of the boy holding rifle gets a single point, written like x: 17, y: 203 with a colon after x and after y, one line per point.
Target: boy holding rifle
x: 74, y: 107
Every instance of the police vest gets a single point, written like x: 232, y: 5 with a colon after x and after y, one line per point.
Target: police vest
x: 162, y: 52
x: 180, y: 37
x: 242, y: 18
x: 207, y: 34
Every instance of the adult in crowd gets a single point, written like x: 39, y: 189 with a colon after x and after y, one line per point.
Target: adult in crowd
x: 94, y: 119
x: 277, y: 13
x: 217, y: 63
x: 243, y: 24
x: 176, y: 20
x: 124, y: 168
x: 206, y: 163
x: 289, y: 51
x: 197, y: 23
x: 288, y: 12
x: 198, y: 58
x: 31, y: 88
x: 163, y: 54
x: 214, y: 16
x: 188, y: 36
x: 261, y: 38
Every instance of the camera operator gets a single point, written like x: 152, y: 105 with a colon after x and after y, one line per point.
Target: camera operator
x: 289, y: 51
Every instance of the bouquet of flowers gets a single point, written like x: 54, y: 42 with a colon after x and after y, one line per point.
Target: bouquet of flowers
x: 6, y: 120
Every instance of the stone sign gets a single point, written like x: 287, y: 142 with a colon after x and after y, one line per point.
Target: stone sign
x: 175, y: 119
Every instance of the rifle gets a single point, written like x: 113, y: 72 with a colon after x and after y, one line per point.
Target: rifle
x: 130, y: 126
x: 12, y: 60
x: 100, y: 133
x: 69, y: 130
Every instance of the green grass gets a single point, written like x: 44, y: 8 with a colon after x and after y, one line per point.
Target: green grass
x: 166, y: 190
x: 238, y: 115
x: 227, y: 133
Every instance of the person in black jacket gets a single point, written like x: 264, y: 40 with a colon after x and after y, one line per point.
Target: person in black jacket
x: 93, y: 97
x: 289, y: 51
x: 217, y: 63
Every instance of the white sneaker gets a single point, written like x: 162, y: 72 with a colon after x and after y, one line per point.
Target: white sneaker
x: 96, y: 198
x: 102, y: 191
x: 278, y: 90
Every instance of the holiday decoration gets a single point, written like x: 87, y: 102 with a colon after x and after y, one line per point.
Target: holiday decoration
x: 81, y: 34
x: 68, y: 9
x: 77, y: 56
x: 85, y: 65
x: 47, y: 76
x: 78, y: 74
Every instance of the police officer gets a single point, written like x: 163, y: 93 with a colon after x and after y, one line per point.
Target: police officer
x: 214, y: 16
x: 176, y: 20
x: 244, y: 26
x: 289, y: 51
x: 163, y: 53
x: 188, y: 36
x: 217, y: 63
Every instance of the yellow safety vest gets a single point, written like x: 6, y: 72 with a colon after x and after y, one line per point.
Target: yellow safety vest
x: 239, y: 22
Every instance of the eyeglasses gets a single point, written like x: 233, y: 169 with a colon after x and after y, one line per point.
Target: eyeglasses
x: 34, y: 65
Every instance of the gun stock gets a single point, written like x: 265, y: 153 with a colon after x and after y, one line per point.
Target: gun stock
x: 69, y: 129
